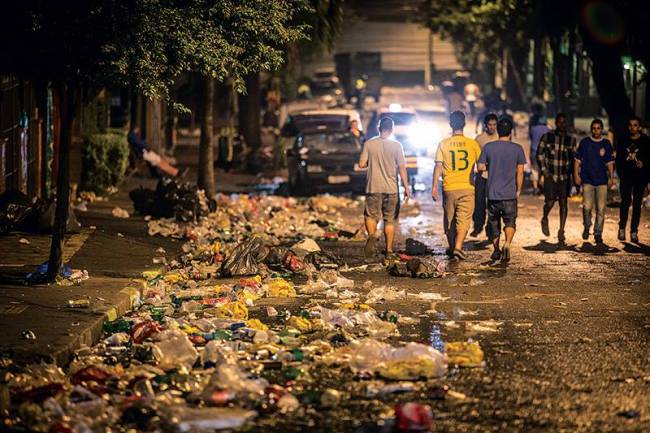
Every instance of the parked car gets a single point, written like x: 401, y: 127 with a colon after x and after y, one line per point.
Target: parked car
x: 325, y: 161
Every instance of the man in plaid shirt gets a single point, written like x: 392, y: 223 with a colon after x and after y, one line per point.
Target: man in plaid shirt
x: 555, y: 156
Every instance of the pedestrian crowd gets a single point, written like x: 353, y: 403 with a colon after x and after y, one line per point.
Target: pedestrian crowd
x: 482, y: 180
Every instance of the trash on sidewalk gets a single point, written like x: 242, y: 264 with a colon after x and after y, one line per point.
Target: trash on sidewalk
x: 66, y: 277
x: 118, y: 212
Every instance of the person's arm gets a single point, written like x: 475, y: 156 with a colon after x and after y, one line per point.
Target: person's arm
x: 541, y: 154
x: 363, y: 159
x: 401, y: 164
x: 481, y: 161
x: 521, y: 163
x: 576, y: 172
x: 520, y: 178
x: 437, y: 172
x: 610, y: 160
x: 405, y: 181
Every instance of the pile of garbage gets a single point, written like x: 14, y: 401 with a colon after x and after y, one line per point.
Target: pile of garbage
x: 172, y: 198
x: 204, y: 353
x: 19, y: 213
x: 276, y: 219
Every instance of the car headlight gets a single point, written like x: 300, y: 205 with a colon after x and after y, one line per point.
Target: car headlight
x: 424, y: 135
x: 314, y: 169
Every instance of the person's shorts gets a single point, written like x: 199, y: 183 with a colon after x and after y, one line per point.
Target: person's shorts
x: 459, y: 208
x: 151, y: 157
x: 382, y: 206
x: 498, y: 210
x: 556, y: 190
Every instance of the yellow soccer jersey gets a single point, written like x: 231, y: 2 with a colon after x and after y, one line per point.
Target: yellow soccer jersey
x: 458, y: 155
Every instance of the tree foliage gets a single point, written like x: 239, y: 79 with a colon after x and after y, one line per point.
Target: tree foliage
x: 147, y: 44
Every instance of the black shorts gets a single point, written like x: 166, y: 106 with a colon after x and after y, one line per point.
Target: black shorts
x: 556, y: 190
x: 498, y: 210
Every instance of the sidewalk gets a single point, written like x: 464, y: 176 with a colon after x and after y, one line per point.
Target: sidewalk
x: 113, y: 263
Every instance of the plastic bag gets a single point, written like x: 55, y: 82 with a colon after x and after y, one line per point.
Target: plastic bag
x: 305, y: 247
x: 416, y: 248
x: 173, y: 350
x: 410, y: 362
x: 245, y: 258
x: 280, y: 288
x: 384, y: 293
x: 323, y: 260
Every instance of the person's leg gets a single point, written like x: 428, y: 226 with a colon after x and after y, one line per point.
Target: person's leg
x: 534, y: 174
x: 563, y: 201
x: 167, y: 168
x: 550, y: 196
x: 390, y: 210
x: 480, y: 204
x: 625, y: 188
x: 637, y: 204
x: 464, y: 211
x: 372, y: 214
x: 389, y: 235
x: 494, y: 228
x: 371, y: 226
x: 509, y: 221
x: 588, y: 198
x: 600, y: 204
x: 449, y: 219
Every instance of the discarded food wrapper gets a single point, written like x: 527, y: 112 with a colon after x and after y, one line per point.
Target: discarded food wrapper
x: 464, y: 353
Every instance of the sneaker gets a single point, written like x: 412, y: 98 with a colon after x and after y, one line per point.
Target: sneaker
x: 459, y: 255
x: 621, y: 235
x: 545, y: 228
x: 496, y: 255
x: 598, y: 238
x: 505, y: 253
x: 560, y: 237
x: 585, y: 234
x: 634, y: 237
x: 369, y: 249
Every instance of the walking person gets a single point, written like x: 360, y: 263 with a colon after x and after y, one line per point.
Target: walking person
x: 594, y: 170
x: 455, y: 161
x: 358, y: 136
x: 536, y: 133
x: 633, y: 167
x: 555, y: 156
x: 480, y: 178
x: 384, y: 159
x: 505, y: 162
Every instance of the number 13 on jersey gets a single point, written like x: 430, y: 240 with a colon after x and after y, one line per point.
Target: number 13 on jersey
x: 459, y: 161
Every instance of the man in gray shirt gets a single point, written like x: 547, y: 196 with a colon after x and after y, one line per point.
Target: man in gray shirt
x: 384, y: 158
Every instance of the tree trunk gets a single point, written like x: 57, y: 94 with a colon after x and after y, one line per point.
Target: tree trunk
x: 538, y: 66
x: 206, y: 152
x: 608, y: 77
x: 68, y: 104
x: 249, y: 111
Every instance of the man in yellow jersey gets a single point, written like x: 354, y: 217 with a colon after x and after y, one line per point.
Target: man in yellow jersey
x: 455, y: 161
